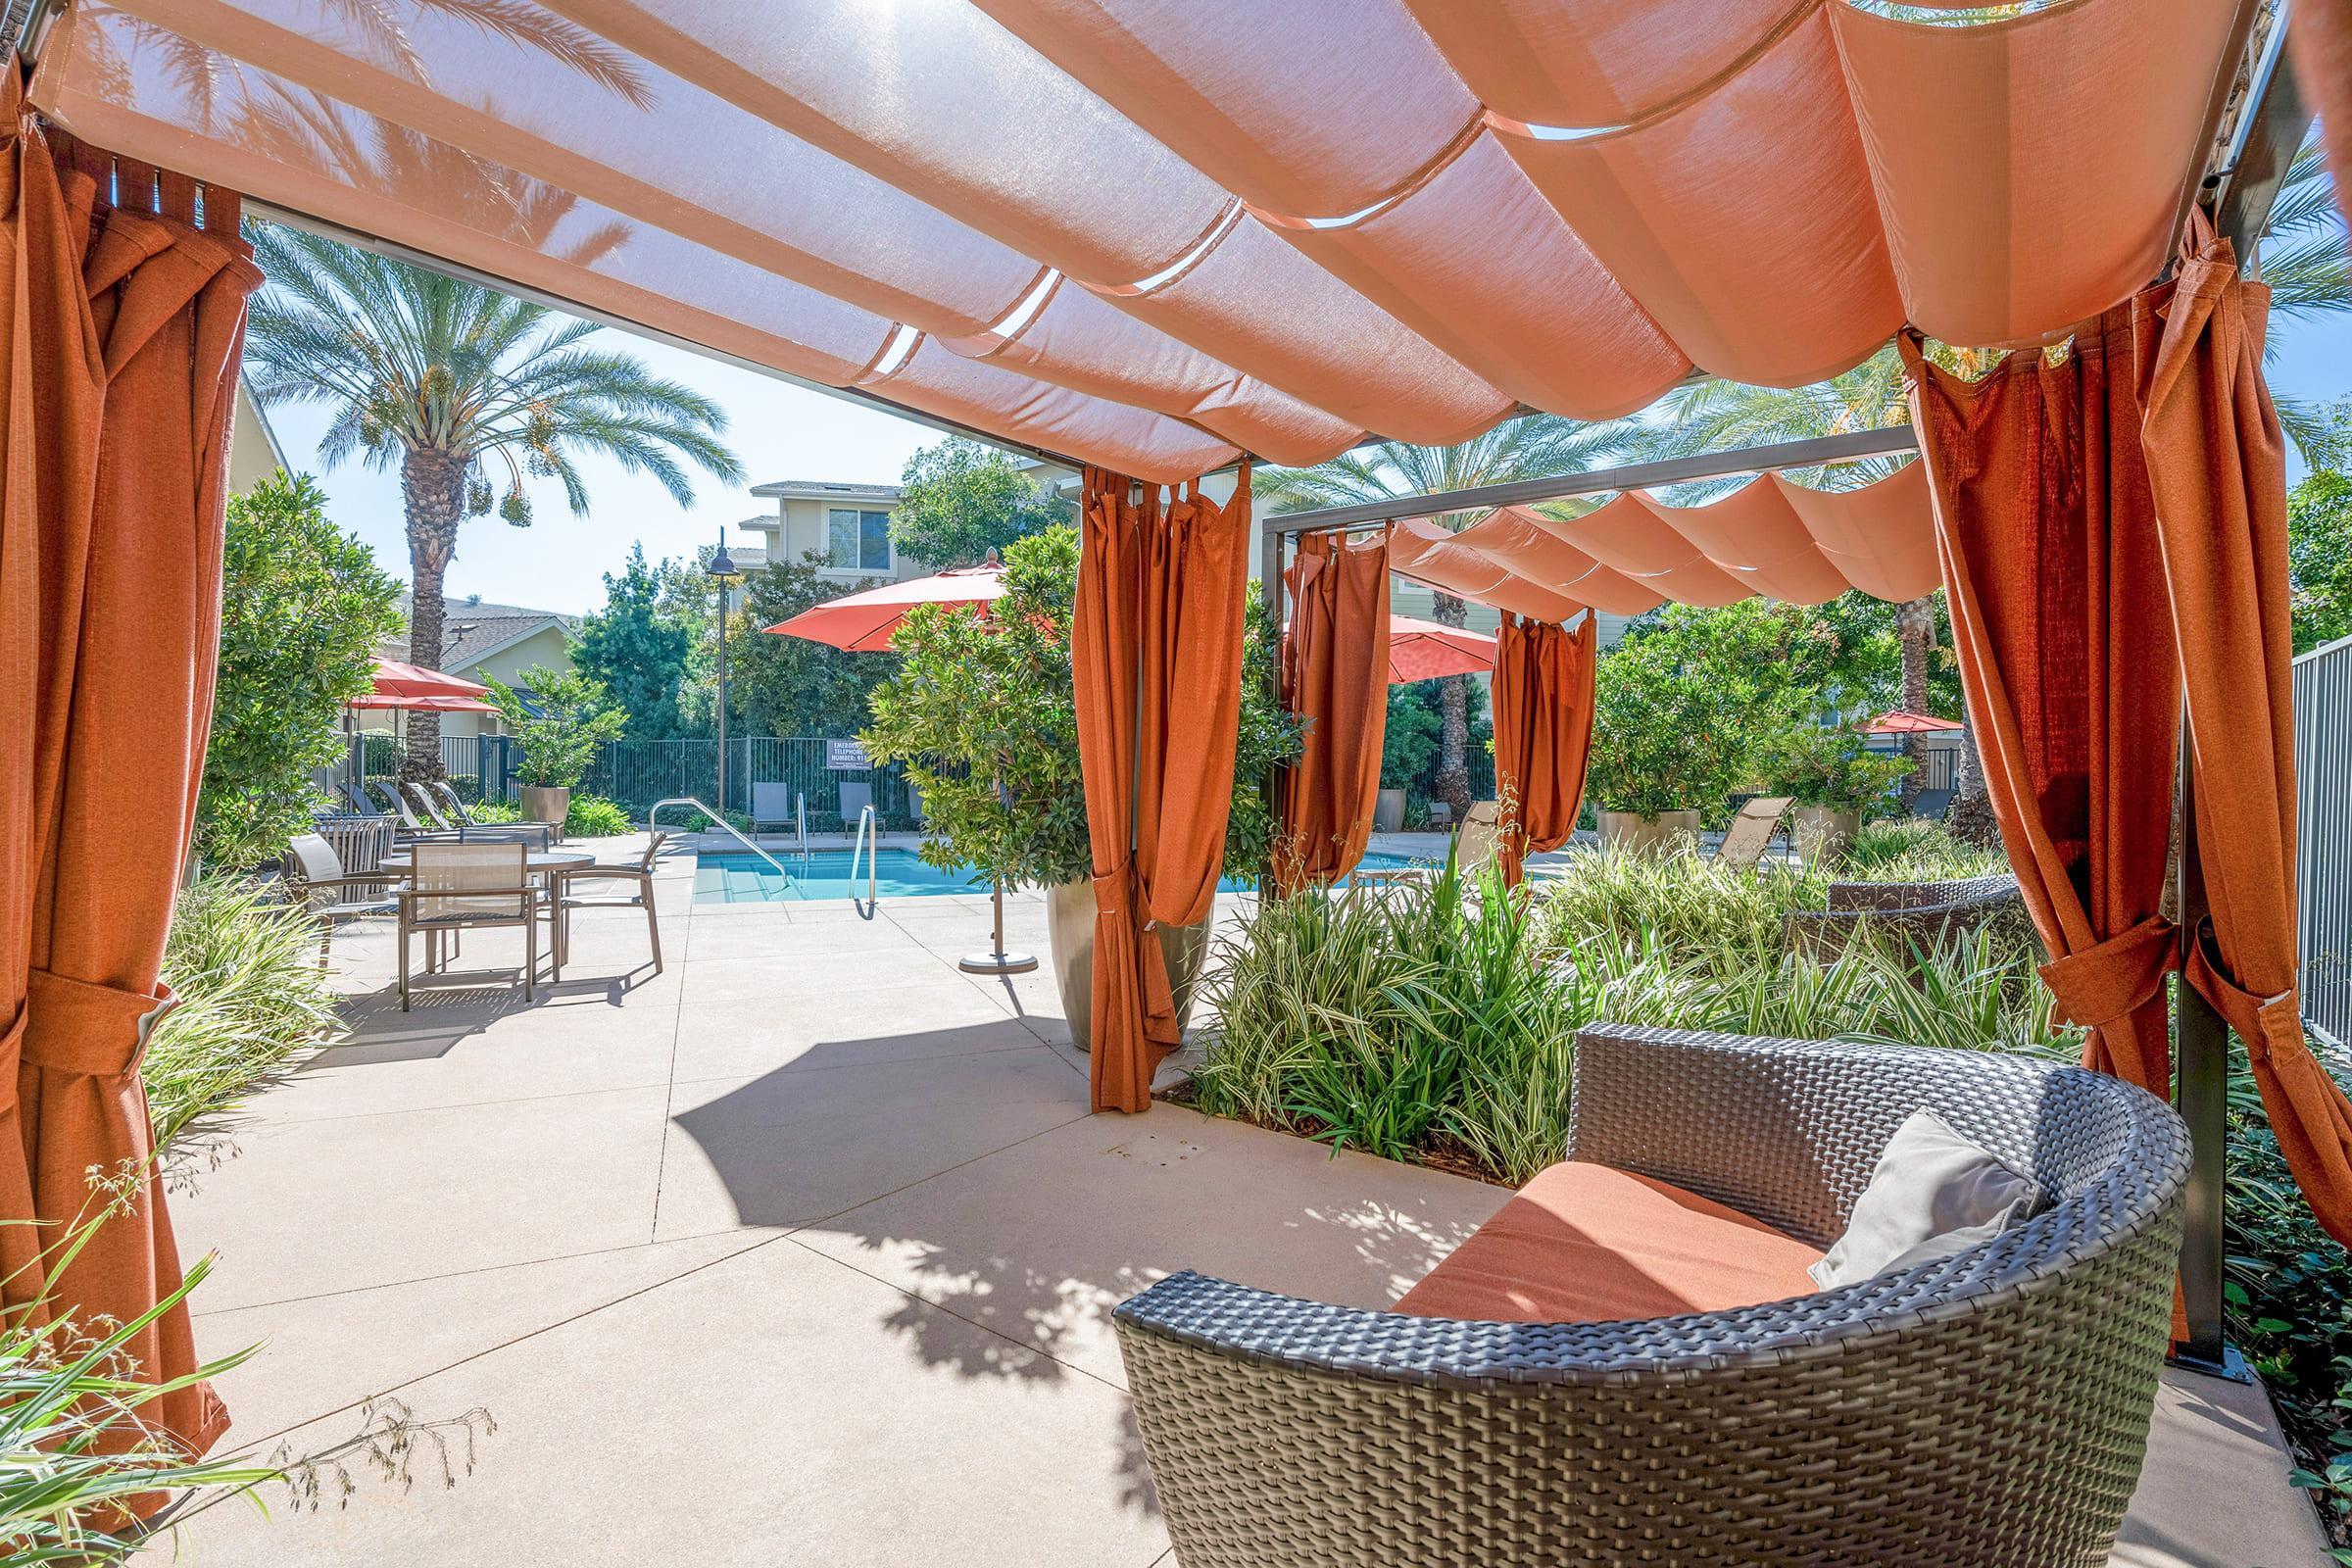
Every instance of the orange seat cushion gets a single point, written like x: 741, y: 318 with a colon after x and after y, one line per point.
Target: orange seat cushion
x: 1589, y: 1244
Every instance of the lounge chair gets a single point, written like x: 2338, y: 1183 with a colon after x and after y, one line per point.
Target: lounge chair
x: 327, y: 891
x: 1751, y: 831
x: 467, y: 887
x: 1932, y: 804
x: 636, y: 878
x: 454, y: 812
x: 425, y: 803
x: 1987, y: 1408
x: 407, y: 827
x: 1474, y: 850
x: 772, y: 805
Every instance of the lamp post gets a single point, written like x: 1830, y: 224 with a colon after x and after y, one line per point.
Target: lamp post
x: 721, y: 571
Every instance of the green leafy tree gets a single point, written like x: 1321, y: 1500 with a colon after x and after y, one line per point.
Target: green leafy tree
x: 446, y: 380
x: 978, y: 699
x: 789, y: 685
x: 1666, y: 732
x: 567, y: 716
x: 962, y: 499
x: 1537, y: 446
x: 2319, y: 537
x: 1408, y: 746
x: 637, y: 651
x: 303, y: 605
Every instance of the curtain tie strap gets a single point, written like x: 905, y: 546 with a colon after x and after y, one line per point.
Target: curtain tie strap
x: 2268, y: 1025
x: 98, y: 1030
x: 2109, y: 979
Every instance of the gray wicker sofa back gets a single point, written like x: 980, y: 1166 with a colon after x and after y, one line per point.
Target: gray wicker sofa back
x: 1990, y: 1409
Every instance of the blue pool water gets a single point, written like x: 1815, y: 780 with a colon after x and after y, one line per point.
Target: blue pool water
x: 740, y: 878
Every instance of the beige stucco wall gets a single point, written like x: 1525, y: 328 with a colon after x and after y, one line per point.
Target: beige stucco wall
x: 547, y: 646
x: 252, y: 457
x: 800, y: 527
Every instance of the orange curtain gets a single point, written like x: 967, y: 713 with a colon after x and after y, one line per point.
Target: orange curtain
x: 129, y: 319
x: 2046, y: 533
x: 1543, y: 733
x: 2218, y: 467
x: 1335, y: 674
x: 1155, y: 652
x: 2319, y: 33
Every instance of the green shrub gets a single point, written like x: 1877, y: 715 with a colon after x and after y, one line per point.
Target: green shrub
x: 1438, y: 1020
x: 1916, y: 850
x: 490, y: 811
x: 592, y: 816
x: 251, y: 995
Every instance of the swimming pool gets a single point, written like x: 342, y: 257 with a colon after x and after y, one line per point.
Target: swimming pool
x: 740, y: 878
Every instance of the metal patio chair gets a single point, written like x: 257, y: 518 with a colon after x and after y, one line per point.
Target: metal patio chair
x: 452, y: 811
x: 637, y: 877
x: 468, y: 887
x: 330, y: 894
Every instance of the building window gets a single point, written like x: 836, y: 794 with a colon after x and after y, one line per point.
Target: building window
x: 857, y: 540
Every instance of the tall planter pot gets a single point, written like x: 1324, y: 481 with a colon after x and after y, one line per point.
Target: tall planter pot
x: 1387, y: 811
x: 547, y: 802
x: 1632, y: 833
x: 1824, y: 833
x: 1070, y: 934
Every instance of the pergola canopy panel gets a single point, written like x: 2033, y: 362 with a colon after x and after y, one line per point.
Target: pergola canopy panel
x: 1148, y: 235
x: 1771, y: 537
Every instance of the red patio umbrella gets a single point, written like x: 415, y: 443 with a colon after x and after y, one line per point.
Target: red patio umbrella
x: 413, y: 686
x: 1902, y: 721
x: 1424, y: 650
x: 864, y: 622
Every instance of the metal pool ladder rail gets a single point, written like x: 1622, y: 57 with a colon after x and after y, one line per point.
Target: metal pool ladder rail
x: 866, y: 837
x: 727, y: 826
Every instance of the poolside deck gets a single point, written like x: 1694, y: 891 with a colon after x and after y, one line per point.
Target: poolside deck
x: 804, y: 1251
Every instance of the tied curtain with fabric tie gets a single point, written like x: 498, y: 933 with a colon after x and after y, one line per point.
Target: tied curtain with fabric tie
x: 1334, y: 675
x: 2113, y: 538
x: 126, y: 318
x: 1543, y: 678
x: 1155, y: 656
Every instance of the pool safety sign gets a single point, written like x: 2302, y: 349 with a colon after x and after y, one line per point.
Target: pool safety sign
x: 847, y: 757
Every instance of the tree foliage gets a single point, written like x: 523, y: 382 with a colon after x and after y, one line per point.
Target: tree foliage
x: 962, y: 499
x: 2318, y: 535
x: 982, y: 712
x: 303, y: 605
x: 789, y: 685
x: 565, y: 718
x: 637, y: 651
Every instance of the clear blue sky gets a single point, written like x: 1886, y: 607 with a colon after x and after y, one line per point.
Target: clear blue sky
x: 784, y: 433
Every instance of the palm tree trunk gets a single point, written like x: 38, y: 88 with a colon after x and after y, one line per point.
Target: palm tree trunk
x: 1970, y: 817
x: 1454, y: 712
x: 1915, y: 626
x: 432, y: 488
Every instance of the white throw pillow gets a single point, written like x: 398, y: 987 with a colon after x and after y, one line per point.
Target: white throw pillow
x: 1933, y: 1195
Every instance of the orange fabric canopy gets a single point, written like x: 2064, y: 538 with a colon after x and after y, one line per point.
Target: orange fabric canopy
x: 1099, y: 228
x: 1771, y: 536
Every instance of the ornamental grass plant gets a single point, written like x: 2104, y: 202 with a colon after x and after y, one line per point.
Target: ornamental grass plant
x: 1436, y: 1021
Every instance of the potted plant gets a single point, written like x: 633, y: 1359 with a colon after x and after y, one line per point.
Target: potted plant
x: 560, y: 723
x: 1833, y: 775
x: 1408, y: 751
x: 982, y: 714
x: 1665, y: 746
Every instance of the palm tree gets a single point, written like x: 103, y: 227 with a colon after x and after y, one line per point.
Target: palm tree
x: 1534, y: 447
x: 441, y: 379
x: 2308, y: 263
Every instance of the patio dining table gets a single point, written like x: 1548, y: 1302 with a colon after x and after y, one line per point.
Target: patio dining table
x: 549, y: 862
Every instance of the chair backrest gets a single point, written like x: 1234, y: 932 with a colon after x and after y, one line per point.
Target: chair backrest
x: 314, y: 860
x: 452, y: 804
x: 653, y: 847
x: 772, y: 801
x: 357, y: 801
x: 1482, y: 830
x: 424, y: 799
x: 1932, y: 804
x: 854, y: 799
x: 476, y: 881
x: 1751, y: 831
x: 386, y: 794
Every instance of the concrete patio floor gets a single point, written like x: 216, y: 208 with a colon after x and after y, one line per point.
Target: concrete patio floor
x: 803, y: 1251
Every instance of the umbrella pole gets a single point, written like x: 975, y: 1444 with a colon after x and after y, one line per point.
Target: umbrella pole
x: 997, y: 961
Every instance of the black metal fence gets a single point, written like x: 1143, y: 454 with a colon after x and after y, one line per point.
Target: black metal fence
x: 769, y: 777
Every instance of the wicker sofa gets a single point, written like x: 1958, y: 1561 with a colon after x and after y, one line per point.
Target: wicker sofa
x: 1989, y: 1408
x: 1925, y: 914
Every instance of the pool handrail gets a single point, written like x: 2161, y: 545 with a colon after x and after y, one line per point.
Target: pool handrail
x: 867, y: 836
x: 729, y: 828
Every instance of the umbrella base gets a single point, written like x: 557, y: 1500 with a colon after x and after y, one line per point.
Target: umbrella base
x: 996, y: 963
